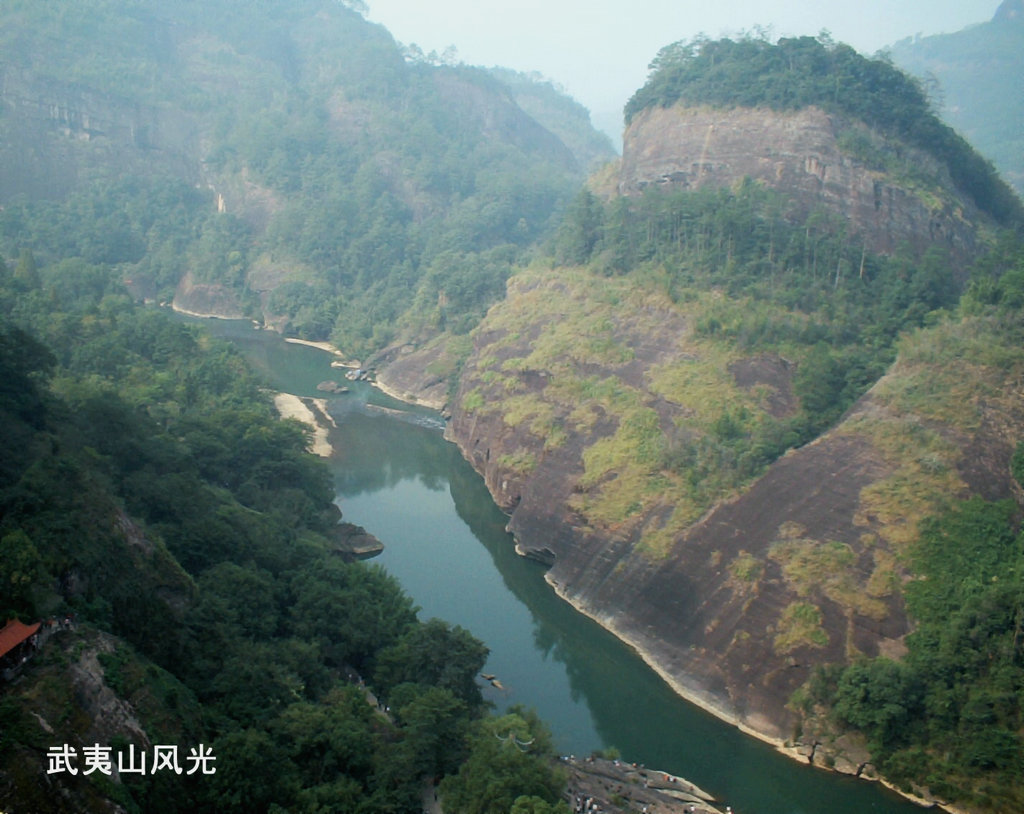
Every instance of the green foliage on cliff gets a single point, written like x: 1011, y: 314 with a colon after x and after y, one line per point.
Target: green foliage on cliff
x: 803, y: 71
x: 949, y: 716
x: 806, y: 287
x: 768, y: 330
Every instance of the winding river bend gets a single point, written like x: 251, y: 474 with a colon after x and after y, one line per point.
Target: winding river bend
x: 446, y: 543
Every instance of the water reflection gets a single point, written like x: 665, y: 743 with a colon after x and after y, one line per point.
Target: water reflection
x: 364, y: 460
x: 446, y: 542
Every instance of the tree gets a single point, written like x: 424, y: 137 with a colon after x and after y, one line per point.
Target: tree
x: 26, y: 272
x: 537, y: 805
x: 252, y: 777
x: 1017, y: 464
x: 329, y: 738
x: 511, y: 758
x: 879, y: 697
x: 350, y: 610
x: 20, y: 568
x: 437, y: 654
x: 434, y: 728
x: 819, y: 383
x: 580, y: 231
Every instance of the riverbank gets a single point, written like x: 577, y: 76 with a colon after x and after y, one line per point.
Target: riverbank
x: 791, y: 750
x: 290, y: 406
x: 576, y: 698
x: 324, y: 346
x: 818, y: 755
x: 408, y: 398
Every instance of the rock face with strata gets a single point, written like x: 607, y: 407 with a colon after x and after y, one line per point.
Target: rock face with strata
x: 55, y: 133
x: 799, y: 152
x: 798, y: 568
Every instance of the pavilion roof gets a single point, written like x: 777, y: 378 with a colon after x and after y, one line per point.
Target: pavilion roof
x: 13, y: 634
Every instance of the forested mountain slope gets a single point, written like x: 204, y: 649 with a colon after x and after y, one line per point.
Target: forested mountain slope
x: 345, y: 189
x: 975, y: 75
x: 281, y: 160
x: 727, y: 416
x: 560, y: 114
x: 152, y: 498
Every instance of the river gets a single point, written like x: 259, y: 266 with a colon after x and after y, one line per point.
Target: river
x: 446, y: 543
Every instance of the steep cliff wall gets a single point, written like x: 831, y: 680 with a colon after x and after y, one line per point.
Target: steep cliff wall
x: 733, y: 597
x: 54, y: 134
x: 802, y: 152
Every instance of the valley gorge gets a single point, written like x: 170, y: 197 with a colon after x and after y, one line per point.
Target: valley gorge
x: 752, y: 393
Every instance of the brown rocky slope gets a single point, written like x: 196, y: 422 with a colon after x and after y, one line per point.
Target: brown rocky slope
x: 734, y: 595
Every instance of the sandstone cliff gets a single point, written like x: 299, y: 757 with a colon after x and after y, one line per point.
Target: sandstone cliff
x: 56, y: 135
x: 819, y: 160
x: 733, y: 597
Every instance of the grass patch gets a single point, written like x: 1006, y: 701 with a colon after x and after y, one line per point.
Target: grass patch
x: 517, y: 409
x: 799, y: 626
x: 626, y: 494
x: 923, y: 480
x: 657, y: 541
x: 885, y: 579
x: 473, y: 400
x: 831, y: 568
x: 522, y: 462
x: 746, y: 568
x: 701, y: 382
x: 637, y: 443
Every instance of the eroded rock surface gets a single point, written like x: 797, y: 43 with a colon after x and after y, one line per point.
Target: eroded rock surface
x: 737, y: 601
x: 798, y: 152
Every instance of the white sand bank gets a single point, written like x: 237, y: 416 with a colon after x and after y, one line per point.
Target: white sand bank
x: 290, y: 406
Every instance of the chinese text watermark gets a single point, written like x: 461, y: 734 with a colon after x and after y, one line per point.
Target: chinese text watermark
x: 98, y: 758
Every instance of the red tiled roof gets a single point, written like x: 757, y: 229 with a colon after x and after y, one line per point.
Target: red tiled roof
x: 13, y: 634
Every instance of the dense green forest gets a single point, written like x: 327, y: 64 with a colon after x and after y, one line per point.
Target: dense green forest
x: 363, y: 190
x: 803, y: 71
x: 147, y: 486
x: 149, y: 489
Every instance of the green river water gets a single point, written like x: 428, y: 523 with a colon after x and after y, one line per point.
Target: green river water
x: 446, y: 542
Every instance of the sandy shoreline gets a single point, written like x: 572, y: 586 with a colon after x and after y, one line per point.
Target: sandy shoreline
x: 200, y: 315
x: 405, y: 399
x: 290, y: 406
x: 326, y: 346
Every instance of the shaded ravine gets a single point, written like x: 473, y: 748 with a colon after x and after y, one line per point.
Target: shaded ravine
x: 446, y: 543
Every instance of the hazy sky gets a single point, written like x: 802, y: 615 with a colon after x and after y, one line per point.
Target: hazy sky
x: 599, y: 50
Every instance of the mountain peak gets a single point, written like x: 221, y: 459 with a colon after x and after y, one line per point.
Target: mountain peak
x: 1010, y: 10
